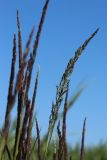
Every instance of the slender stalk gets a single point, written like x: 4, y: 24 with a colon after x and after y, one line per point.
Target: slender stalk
x: 31, y: 111
x: 82, y: 141
x: 27, y: 48
x: 64, y: 126
x: 8, y: 152
x: 60, y: 150
x: 19, y: 124
x: 22, y: 145
x: 38, y: 140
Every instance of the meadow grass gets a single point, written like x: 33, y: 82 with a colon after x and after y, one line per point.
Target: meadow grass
x: 16, y: 140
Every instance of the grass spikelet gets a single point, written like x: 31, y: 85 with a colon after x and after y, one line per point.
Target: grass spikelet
x: 28, y: 45
x: 19, y: 88
x: 40, y: 28
x: 25, y: 80
x: 20, y: 75
x: 19, y: 39
x: 36, y: 42
x: 10, y: 98
x: 28, y: 74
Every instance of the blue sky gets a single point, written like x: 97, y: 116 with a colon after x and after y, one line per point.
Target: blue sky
x: 68, y: 24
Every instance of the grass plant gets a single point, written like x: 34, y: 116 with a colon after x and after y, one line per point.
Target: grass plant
x: 21, y: 145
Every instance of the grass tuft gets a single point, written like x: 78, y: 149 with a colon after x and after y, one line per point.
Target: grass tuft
x: 16, y: 139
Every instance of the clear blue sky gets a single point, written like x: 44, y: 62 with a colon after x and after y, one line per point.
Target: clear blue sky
x: 68, y: 23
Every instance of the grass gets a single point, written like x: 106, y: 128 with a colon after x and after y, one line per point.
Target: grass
x: 16, y: 140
